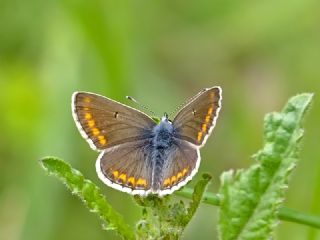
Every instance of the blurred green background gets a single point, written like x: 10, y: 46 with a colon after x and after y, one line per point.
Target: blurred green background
x: 160, y: 52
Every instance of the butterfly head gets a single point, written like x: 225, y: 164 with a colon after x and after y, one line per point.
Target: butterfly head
x: 165, y: 118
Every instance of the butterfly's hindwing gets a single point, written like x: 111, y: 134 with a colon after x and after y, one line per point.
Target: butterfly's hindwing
x: 105, y: 123
x: 127, y: 167
x: 181, y: 165
x: 196, y: 120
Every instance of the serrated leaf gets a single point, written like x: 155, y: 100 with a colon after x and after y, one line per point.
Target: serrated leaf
x: 89, y: 193
x: 250, y: 199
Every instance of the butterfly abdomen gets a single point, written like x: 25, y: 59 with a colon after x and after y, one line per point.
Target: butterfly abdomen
x: 161, y: 145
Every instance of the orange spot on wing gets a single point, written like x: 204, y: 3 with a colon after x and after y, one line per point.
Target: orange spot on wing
x: 199, y: 136
x: 87, y: 100
x: 86, y: 108
x: 184, y: 171
x: 179, y: 176
x: 131, y: 181
x: 95, y: 131
x: 122, y: 177
x: 102, y: 140
x: 141, y: 182
x: 87, y: 116
x: 208, y: 118
x: 204, y: 127
x: 166, y: 182
x: 115, y: 174
x: 91, y: 123
x: 173, y: 180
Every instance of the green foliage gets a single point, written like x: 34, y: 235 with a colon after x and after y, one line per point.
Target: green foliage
x: 164, y: 218
x: 250, y: 199
x: 89, y: 193
x: 284, y: 214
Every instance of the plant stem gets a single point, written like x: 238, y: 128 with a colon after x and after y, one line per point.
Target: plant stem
x: 285, y: 214
x: 291, y: 215
x: 208, y: 197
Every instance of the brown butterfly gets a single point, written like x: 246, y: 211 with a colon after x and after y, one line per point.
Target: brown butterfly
x: 139, y: 155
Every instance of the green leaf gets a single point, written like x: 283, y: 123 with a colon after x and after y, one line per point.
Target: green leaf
x: 250, y: 199
x: 197, y: 197
x: 89, y: 193
x: 284, y: 214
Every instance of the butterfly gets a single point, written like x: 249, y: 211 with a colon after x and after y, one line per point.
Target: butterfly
x: 139, y: 155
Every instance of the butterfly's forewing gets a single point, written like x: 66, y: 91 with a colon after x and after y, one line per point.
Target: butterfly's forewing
x: 105, y: 123
x: 196, y: 120
x: 181, y: 165
x: 127, y: 167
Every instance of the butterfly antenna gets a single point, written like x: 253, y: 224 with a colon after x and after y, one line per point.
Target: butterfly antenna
x: 185, y: 103
x: 141, y: 105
